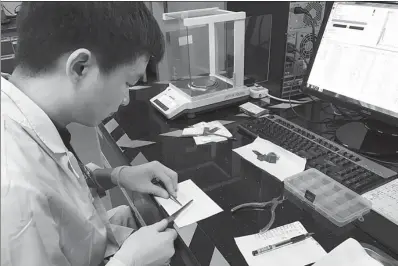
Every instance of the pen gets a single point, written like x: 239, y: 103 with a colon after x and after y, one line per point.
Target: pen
x: 281, y: 244
x: 160, y: 183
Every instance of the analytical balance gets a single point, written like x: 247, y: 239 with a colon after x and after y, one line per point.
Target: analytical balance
x: 205, y: 54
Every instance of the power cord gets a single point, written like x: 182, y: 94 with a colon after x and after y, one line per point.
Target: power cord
x: 288, y: 101
x: 15, y: 9
x: 11, y: 15
x: 335, y: 111
x: 297, y: 114
x: 326, y: 121
x: 343, y: 113
x: 291, y: 48
x: 267, y: 94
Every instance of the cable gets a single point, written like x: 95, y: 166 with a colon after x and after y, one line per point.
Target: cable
x: 15, y: 9
x: 341, y: 112
x: 291, y: 48
x: 11, y: 14
x: 300, y: 116
x: 335, y: 112
x: 346, y: 114
x: 313, y: 39
x: 302, y: 57
x: 300, y: 10
x: 312, y: 98
x: 327, y: 121
x: 288, y: 101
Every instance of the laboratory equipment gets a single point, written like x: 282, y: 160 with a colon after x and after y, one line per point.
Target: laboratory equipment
x: 355, y: 66
x: 196, y: 43
x: 328, y: 197
x: 352, y: 170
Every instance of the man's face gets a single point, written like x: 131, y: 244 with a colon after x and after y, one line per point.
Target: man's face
x: 104, y: 93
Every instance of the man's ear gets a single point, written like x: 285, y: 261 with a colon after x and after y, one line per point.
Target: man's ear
x: 78, y: 64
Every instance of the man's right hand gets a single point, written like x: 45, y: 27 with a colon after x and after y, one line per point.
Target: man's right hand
x: 150, y: 245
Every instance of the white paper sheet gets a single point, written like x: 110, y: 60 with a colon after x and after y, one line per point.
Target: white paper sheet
x: 201, y: 208
x: 125, y: 141
x: 349, y: 253
x: 384, y: 200
x: 287, y: 165
x: 211, y: 138
x: 192, y: 131
x: 298, y: 254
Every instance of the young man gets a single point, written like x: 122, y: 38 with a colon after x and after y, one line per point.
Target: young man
x: 75, y: 63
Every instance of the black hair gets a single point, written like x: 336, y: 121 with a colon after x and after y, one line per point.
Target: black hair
x: 115, y: 32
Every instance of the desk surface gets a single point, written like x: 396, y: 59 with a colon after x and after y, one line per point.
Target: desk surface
x: 228, y: 180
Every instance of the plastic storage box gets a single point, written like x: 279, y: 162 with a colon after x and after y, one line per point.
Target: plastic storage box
x: 334, y: 201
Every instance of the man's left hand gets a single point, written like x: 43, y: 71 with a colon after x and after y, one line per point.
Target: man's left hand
x: 139, y: 178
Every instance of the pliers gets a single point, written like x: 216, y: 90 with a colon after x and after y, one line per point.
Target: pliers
x: 261, y: 206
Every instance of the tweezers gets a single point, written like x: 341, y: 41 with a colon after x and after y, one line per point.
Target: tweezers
x: 261, y: 206
x: 161, y: 184
x: 207, y: 132
x: 174, y: 216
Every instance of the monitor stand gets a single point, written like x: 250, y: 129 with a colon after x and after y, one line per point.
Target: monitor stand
x: 370, y: 137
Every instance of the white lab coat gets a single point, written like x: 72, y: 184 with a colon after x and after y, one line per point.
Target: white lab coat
x: 49, y: 216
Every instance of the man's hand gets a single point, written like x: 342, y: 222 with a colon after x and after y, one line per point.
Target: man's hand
x: 139, y: 178
x: 150, y: 245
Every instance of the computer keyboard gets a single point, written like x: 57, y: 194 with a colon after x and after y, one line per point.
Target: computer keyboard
x: 350, y: 169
